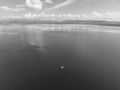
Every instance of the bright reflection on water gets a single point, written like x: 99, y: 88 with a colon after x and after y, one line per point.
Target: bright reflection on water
x: 35, y: 37
x: 77, y: 57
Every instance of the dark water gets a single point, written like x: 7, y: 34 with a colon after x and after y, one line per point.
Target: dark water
x: 31, y: 59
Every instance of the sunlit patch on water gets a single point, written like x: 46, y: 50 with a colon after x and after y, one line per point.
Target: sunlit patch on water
x: 60, y: 27
x: 5, y: 33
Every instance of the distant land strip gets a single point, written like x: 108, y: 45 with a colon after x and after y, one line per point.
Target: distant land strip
x: 87, y: 22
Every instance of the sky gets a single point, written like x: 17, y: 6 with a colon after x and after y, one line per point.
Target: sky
x: 89, y: 9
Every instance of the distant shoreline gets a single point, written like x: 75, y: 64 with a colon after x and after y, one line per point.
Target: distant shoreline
x: 84, y: 22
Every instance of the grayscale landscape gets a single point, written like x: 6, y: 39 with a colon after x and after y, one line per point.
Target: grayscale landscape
x: 59, y: 44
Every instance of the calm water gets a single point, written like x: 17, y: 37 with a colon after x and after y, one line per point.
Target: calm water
x: 59, y: 57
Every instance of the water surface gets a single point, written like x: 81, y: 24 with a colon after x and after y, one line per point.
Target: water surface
x: 31, y: 57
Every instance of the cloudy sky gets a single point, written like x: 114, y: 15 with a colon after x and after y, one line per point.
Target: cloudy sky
x: 93, y: 8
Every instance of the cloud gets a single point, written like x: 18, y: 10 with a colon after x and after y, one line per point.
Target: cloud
x: 36, y: 4
x: 5, y: 7
x: 12, y: 9
x: 10, y: 17
x: 17, y: 9
x: 34, y: 15
x: 109, y: 16
x: 29, y: 15
x: 66, y: 3
x: 49, y: 1
x: 96, y: 14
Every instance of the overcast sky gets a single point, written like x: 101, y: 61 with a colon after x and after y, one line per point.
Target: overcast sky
x: 23, y: 7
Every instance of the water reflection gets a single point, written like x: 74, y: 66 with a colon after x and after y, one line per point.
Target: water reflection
x: 36, y: 37
x: 91, y: 58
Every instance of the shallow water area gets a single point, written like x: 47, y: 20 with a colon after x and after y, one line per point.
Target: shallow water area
x: 72, y: 57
